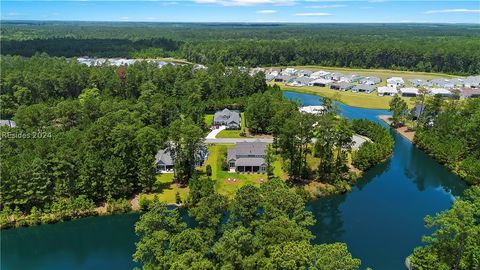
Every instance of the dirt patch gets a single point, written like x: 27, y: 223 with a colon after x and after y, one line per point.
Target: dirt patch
x: 405, y: 131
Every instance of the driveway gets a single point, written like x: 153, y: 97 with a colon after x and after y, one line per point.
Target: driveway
x: 214, y: 132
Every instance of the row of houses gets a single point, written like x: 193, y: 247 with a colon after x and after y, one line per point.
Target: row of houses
x: 467, y: 88
x: 94, y: 62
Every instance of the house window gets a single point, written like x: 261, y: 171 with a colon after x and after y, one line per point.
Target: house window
x: 232, y: 164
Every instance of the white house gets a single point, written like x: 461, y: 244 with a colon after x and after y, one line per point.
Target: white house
x: 439, y: 91
x: 409, y: 91
x: 370, y: 80
x: 288, y: 71
x: 387, y: 91
x: 320, y: 82
x: 395, y: 82
x: 319, y: 74
x: 312, y: 109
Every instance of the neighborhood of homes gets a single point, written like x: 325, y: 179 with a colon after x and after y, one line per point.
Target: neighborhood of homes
x: 244, y: 157
x: 465, y: 87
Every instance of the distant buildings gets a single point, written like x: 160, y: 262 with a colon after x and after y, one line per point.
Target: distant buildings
x: 439, y: 91
x: 395, y: 82
x: 317, y: 110
x: 341, y: 86
x: 409, y: 92
x: 387, y: 91
x: 363, y: 88
x: 165, y: 162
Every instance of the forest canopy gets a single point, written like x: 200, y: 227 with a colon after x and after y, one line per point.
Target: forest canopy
x: 416, y: 47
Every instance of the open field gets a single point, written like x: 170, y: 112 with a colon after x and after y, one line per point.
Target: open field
x: 362, y: 100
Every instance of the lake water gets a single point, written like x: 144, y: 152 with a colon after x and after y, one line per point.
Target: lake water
x: 381, y: 220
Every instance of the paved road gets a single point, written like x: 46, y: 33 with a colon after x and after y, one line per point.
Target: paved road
x: 235, y: 140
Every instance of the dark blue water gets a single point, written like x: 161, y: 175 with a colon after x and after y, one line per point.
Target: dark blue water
x: 381, y: 220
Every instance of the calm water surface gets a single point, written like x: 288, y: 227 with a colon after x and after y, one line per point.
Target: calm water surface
x: 381, y: 220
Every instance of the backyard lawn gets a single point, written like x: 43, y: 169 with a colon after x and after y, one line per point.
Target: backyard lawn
x: 208, y: 119
x: 167, y: 189
x: 222, y: 185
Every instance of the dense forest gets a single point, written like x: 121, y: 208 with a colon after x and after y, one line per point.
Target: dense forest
x: 431, y: 48
x: 93, y: 132
x: 449, y: 131
x: 261, y: 228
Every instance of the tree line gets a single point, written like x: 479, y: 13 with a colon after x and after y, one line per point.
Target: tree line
x: 443, y: 48
x: 264, y: 227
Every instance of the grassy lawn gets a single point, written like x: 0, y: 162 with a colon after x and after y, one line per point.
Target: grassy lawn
x: 233, y: 133
x: 222, y: 185
x: 363, y: 100
x: 168, y: 189
x: 208, y: 120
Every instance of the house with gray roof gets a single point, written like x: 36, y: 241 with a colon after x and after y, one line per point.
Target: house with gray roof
x: 363, y: 88
x: 341, y: 86
x: 300, y: 81
x: 8, y: 123
x: 164, y: 160
x: 417, y: 82
x: 370, y: 80
x: 351, y: 78
x: 472, y: 81
x: 336, y: 76
x: 283, y: 78
x: 442, y: 83
x: 229, y: 118
x: 269, y: 77
x: 304, y: 72
x: 247, y: 157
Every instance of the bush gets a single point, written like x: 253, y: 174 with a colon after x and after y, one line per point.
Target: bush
x: 208, y: 170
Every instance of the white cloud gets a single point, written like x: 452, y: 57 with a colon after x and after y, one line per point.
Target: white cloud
x: 151, y: 18
x: 313, y: 14
x: 13, y: 14
x: 169, y: 3
x: 124, y: 18
x: 456, y: 10
x: 247, y: 2
x: 327, y: 6
x: 266, y: 11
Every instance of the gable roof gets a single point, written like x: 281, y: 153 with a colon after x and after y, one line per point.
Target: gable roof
x: 164, y: 157
x: 227, y: 116
x: 8, y: 123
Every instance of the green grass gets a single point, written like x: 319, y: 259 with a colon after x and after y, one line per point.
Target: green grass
x: 208, y: 119
x: 167, y: 189
x: 233, y: 133
x: 228, y: 188
x: 363, y: 100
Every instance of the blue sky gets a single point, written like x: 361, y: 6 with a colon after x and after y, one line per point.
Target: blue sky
x: 308, y: 11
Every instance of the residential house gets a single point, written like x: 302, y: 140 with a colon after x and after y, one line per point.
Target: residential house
x: 442, y: 83
x: 387, y: 91
x: 336, y: 76
x: 300, y: 81
x: 317, y: 110
x: 282, y: 78
x: 417, y: 82
x: 304, y: 73
x: 341, y: 86
x: 256, y: 70
x: 165, y: 163
x: 470, y: 92
x: 275, y: 72
x: 439, y: 91
x: 409, y: 92
x: 472, y: 81
x: 229, y: 118
x: 8, y: 123
x: 320, y: 82
x: 247, y: 157
x: 320, y: 74
x: 351, y: 78
x: 288, y: 71
x: 363, y: 88
x: 395, y: 82
x: 370, y: 80
x: 269, y: 77
x: 417, y: 111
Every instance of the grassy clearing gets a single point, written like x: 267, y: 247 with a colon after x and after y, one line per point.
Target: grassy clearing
x: 167, y: 189
x: 208, y: 119
x: 233, y: 133
x: 362, y: 100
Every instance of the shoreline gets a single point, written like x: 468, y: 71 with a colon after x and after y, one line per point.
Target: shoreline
x: 409, y: 135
